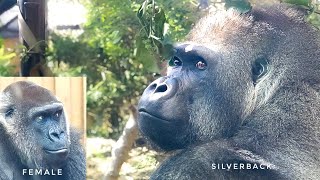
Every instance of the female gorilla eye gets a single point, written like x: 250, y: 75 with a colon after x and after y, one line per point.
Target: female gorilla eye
x: 201, y: 65
x: 57, y: 114
x: 259, y: 68
x: 39, y: 118
x: 175, y: 61
x: 9, y: 113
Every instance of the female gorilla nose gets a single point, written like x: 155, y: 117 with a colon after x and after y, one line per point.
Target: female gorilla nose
x: 162, y: 88
x: 55, y: 134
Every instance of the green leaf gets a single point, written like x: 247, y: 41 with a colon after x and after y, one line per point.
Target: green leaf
x: 160, y: 20
x: 166, y: 50
x: 154, y: 25
x: 144, y: 56
x: 143, y: 15
x: 242, y: 6
x: 313, y: 18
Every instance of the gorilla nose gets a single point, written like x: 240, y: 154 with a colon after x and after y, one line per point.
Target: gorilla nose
x: 162, y: 88
x: 55, y: 134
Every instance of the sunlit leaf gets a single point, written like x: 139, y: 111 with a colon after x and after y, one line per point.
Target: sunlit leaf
x: 146, y: 58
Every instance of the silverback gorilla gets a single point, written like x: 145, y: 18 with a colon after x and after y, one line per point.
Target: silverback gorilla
x: 35, y: 136
x: 241, y: 99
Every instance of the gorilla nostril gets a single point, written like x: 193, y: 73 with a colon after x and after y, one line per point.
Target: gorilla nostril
x: 54, y: 135
x: 161, y: 88
x: 153, y: 86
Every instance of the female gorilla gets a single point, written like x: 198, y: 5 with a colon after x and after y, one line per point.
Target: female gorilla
x: 36, y: 141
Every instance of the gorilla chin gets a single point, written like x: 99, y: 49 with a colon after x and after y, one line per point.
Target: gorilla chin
x: 166, y: 139
x: 56, y: 158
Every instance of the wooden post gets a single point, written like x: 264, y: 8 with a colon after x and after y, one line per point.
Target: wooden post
x: 32, y: 28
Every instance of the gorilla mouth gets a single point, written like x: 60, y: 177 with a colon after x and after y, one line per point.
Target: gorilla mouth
x: 56, y: 157
x: 59, y: 151
x: 143, y: 112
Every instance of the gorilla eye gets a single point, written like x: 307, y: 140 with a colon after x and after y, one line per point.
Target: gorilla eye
x: 175, y: 61
x: 201, y: 65
x: 39, y: 118
x: 57, y: 114
x: 9, y: 113
x: 259, y: 68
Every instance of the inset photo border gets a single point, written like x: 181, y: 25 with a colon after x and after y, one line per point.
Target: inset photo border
x: 42, y: 128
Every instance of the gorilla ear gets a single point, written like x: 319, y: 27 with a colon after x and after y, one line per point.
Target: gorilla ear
x: 260, y: 68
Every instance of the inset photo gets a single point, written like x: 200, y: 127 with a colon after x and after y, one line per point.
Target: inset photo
x: 42, y: 128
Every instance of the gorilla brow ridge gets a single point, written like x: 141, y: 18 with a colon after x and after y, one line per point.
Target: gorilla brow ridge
x: 51, y: 105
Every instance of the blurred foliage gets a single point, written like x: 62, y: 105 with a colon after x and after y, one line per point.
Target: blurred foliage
x: 314, y: 16
x: 115, y: 54
x: 123, y: 45
x: 6, y: 68
x: 153, y: 21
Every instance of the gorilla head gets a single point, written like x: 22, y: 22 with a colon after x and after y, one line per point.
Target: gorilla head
x: 33, y: 114
x: 238, y: 75
x: 35, y: 129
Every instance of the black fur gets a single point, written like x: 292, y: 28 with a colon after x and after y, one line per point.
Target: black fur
x: 243, y: 88
x: 24, y: 138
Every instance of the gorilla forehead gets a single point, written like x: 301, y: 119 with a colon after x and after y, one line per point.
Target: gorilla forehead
x: 28, y: 93
x: 226, y: 26
x: 218, y: 26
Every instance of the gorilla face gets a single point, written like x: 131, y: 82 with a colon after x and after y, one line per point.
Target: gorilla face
x: 50, y: 130
x: 191, y: 103
x: 199, y: 99
x: 35, y: 121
